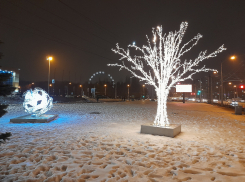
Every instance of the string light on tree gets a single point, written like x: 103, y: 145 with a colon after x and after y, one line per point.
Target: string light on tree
x: 160, y: 64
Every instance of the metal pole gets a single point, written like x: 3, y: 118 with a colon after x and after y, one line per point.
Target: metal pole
x: 128, y: 93
x: 195, y: 92
x: 115, y: 91
x: 221, y: 87
x: 236, y: 93
x: 208, y: 94
x: 211, y: 90
x: 48, y: 75
x: 105, y: 90
x: 200, y: 89
x: 143, y: 91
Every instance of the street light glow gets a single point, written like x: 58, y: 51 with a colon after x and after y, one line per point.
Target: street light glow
x: 233, y: 57
x: 229, y: 83
x: 50, y: 58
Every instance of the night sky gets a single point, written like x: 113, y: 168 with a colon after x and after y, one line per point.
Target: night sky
x: 79, y: 34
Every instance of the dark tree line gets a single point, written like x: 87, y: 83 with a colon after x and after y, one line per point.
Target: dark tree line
x: 5, y: 89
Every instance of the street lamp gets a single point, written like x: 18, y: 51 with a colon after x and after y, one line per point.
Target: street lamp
x: 235, y: 93
x: 49, y: 59
x: 211, y: 86
x: 81, y: 90
x: 143, y: 91
x: 128, y: 91
x: 105, y: 88
x: 221, y: 79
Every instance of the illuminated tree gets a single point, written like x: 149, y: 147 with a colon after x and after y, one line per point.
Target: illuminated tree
x: 160, y: 65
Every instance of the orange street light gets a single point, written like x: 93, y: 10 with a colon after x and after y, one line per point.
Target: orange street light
x: 49, y: 59
x: 221, y: 79
x: 128, y: 91
x: 105, y: 88
x: 234, y: 85
x: 50, y: 85
x: 32, y: 83
x: 230, y: 83
x: 70, y: 83
x: 80, y: 86
x: 143, y: 91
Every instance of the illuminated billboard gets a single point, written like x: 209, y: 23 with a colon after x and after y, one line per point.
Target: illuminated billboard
x: 183, y: 88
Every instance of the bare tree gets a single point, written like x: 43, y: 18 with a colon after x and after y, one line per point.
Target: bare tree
x: 160, y: 64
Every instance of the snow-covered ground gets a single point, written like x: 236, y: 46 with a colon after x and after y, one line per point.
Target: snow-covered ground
x: 82, y: 145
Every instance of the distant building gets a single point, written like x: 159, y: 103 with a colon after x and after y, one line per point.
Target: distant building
x: 14, y: 80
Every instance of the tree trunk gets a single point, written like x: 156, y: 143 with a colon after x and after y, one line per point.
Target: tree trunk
x: 161, y: 118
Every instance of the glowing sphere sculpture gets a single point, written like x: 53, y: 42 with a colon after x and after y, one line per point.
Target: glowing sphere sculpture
x: 37, y: 102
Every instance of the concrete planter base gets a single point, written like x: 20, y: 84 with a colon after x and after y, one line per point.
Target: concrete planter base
x: 170, y: 131
x: 44, y: 118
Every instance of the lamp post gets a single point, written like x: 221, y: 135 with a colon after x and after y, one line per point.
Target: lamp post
x: 221, y: 86
x: 128, y: 91
x: 105, y: 88
x: 81, y: 90
x: 143, y: 91
x: 221, y: 79
x: 68, y: 88
x: 235, y: 92
x: 49, y: 59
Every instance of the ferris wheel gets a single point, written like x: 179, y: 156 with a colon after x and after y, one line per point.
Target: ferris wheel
x: 101, y: 73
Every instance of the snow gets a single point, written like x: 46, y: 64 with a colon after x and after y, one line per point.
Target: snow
x: 82, y: 145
